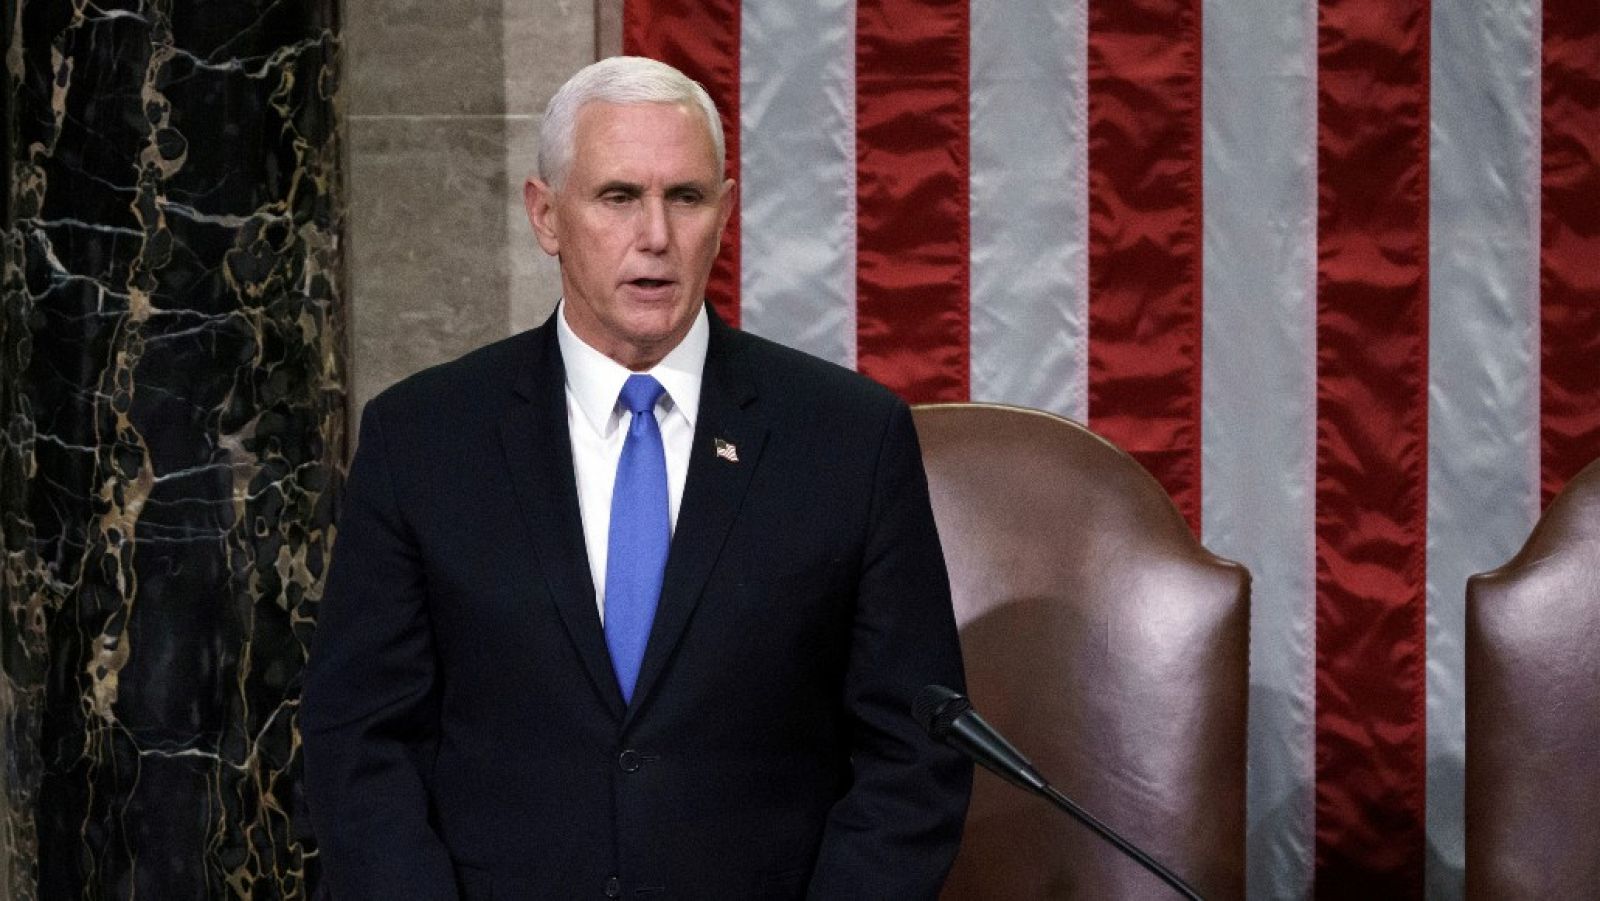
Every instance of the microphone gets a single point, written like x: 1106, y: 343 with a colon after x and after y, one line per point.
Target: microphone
x: 948, y: 717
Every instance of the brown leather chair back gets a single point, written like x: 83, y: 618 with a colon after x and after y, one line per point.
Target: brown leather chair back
x: 1106, y: 643
x: 1533, y: 709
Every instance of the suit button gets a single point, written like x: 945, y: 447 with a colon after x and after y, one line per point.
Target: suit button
x: 613, y: 887
x: 629, y: 761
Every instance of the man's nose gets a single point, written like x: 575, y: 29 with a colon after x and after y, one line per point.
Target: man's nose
x: 654, y: 231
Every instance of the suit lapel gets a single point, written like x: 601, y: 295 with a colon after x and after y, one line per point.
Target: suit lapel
x: 539, y: 456
x: 713, y: 490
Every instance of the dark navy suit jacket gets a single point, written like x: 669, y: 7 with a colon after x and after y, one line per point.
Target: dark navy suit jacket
x: 464, y: 734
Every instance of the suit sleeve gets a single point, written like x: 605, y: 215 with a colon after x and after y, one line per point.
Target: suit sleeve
x: 895, y: 833
x: 369, y: 716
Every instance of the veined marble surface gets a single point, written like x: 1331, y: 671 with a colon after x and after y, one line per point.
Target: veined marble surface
x: 172, y: 431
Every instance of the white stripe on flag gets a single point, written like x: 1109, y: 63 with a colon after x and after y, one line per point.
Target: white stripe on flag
x: 798, y: 173
x: 1029, y: 206
x: 1483, y: 386
x: 1259, y: 395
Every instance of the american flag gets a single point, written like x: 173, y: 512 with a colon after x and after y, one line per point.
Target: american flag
x: 1330, y: 270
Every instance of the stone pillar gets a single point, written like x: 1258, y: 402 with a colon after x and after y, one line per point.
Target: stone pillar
x: 173, y: 407
x: 442, y: 107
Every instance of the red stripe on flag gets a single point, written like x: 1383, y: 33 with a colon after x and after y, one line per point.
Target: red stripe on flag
x: 701, y: 38
x: 1144, y: 237
x: 1569, y: 279
x: 1372, y: 438
x: 911, y: 208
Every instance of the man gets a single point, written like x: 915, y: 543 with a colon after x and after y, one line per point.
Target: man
x: 633, y: 604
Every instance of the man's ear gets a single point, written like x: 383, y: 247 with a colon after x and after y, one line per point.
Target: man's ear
x: 540, y: 201
x: 729, y: 199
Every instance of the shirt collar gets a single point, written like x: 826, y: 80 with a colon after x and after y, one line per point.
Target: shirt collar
x: 595, y: 379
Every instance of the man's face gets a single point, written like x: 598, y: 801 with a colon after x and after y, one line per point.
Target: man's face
x: 636, y: 226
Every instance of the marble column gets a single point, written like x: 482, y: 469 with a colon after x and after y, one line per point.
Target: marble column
x: 172, y: 435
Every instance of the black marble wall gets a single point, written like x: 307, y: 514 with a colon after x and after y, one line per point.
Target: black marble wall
x: 172, y: 431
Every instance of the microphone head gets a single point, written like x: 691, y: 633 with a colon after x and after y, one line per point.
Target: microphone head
x: 936, y: 707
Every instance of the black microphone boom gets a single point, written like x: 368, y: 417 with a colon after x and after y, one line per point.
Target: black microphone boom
x: 948, y: 716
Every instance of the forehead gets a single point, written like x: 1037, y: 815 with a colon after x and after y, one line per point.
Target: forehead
x: 662, y: 139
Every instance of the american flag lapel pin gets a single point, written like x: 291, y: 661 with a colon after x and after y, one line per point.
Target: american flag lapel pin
x: 726, y: 451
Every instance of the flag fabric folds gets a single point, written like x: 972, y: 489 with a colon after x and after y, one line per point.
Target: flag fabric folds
x: 1326, y: 269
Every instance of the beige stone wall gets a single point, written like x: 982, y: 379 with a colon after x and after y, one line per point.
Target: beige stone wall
x: 442, y: 100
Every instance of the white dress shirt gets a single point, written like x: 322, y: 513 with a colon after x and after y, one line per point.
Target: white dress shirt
x: 598, y: 424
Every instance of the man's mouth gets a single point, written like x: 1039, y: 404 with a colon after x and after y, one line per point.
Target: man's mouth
x: 649, y: 282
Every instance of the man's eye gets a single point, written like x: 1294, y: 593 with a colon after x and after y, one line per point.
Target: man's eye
x: 688, y: 198
x: 616, y: 198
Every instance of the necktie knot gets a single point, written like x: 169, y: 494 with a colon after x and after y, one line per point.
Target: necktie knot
x: 640, y: 393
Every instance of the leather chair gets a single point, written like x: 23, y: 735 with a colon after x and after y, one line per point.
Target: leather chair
x: 1106, y: 643
x: 1533, y: 709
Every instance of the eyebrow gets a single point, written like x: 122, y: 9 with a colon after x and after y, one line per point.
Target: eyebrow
x: 624, y: 187
x: 635, y: 190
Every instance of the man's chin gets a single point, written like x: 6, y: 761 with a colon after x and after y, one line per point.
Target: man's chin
x: 649, y: 338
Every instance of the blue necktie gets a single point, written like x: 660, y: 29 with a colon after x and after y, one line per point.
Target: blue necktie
x: 641, y: 529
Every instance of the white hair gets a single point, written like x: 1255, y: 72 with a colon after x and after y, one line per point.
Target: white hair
x: 621, y: 80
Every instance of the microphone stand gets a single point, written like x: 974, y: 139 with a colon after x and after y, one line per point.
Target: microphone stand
x: 1129, y: 848
x: 948, y: 717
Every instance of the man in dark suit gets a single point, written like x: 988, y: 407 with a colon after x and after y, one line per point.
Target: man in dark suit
x: 633, y: 604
